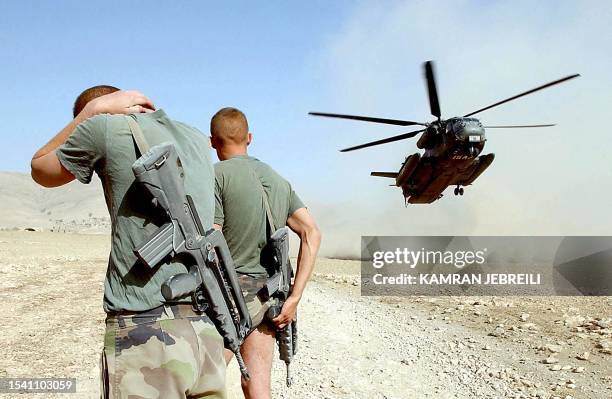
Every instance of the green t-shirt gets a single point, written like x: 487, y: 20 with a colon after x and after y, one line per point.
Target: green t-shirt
x: 240, y: 208
x: 104, y: 144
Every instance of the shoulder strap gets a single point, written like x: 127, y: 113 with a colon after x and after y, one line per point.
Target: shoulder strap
x: 139, y: 137
x: 266, y: 201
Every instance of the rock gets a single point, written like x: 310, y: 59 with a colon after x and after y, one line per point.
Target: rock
x: 524, y: 316
x: 550, y: 360
x: 498, y: 332
x: 529, y: 326
x: 553, y: 348
x: 604, y: 347
x: 601, y: 323
x: 583, y: 356
x: 578, y: 370
x: 556, y: 367
x: 573, y: 321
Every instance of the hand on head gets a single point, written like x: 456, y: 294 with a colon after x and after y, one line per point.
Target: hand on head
x: 120, y: 102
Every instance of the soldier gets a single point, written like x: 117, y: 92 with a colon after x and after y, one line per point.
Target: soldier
x: 151, y: 349
x: 243, y: 185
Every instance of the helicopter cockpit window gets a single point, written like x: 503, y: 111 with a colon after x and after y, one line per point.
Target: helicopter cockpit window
x: 458, y: 126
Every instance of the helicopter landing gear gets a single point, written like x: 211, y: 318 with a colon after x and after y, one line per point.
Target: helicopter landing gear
x: 458, y: 190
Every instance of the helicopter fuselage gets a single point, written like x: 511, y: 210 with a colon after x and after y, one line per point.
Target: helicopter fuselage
x: 451, y: 157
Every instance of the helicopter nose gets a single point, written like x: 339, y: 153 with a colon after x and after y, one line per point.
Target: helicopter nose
x: 468, y: 130
x: 472, y: 134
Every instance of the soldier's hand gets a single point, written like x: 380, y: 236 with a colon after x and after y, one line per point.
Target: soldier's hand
x: 119, y: 102
x: 287, y: 314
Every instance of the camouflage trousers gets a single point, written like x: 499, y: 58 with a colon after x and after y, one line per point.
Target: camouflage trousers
x: 256, y: 306
x: 165, y: 353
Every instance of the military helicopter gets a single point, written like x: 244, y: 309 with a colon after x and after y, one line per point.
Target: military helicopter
x: 452, y: 147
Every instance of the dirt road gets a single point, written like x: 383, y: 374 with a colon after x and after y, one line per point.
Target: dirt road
x: 350, y: 347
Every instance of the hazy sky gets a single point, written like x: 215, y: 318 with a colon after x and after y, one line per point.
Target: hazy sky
x: 279, y: 60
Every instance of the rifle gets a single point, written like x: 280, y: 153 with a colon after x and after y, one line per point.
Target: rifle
x: 211, y: 281
x: 278, y: 288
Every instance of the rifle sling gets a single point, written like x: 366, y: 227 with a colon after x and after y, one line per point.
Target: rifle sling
x: 138, y: 135
x: 269, y: 218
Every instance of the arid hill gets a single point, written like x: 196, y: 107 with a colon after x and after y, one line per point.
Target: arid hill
x: 74, y: 207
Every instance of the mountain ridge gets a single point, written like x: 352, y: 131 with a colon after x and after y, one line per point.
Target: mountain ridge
x: 73, y: 207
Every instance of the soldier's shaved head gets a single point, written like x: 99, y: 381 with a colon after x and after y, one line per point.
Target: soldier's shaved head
x: 229, y: 126
x: 89, y: 94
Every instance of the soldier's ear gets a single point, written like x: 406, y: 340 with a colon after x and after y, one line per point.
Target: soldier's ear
x: 249, y: 138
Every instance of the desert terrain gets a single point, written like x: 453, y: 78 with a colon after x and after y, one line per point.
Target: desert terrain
x: 74, y: 207
x: 350, y: 346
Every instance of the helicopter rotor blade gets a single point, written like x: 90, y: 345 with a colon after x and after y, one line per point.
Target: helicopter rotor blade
x: 384, y: 141
x: 432, y: 91
x: 397, y: 122
x: 517, y: 126
x: 524, y: 94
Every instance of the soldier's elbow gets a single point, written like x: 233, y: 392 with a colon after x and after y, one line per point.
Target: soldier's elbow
x: 312, y: 234
x: 37, y: 174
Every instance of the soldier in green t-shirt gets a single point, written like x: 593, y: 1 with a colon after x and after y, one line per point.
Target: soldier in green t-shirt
x: 240, y: 211
x: 151, y: 349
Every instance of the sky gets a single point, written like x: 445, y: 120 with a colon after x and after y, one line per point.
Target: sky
x: 279, y: 60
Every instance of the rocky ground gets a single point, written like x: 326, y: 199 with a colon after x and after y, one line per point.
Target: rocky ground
x: 350, y: 346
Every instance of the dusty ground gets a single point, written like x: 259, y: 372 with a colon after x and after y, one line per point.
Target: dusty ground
x: 351, y: 346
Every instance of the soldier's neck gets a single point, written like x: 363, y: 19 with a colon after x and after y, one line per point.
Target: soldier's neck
x: 231, y: 151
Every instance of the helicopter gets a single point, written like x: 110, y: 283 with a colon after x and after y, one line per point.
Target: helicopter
x: 453, y: 146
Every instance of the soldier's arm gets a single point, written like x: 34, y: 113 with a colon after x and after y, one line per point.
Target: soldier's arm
x: 47, y: 170
x: 46, y: 167
x: 303, y: 224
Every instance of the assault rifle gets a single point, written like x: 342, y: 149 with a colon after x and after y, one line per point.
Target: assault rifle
x: 211, y: 281
x: 278, y: 288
